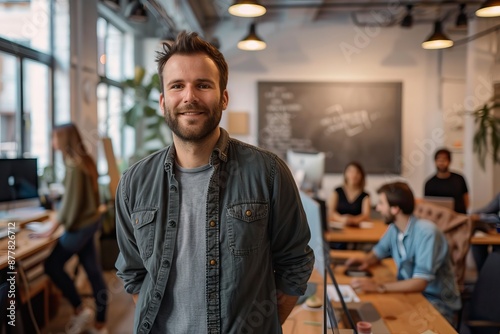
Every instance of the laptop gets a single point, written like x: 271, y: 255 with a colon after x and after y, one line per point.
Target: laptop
x: 362, y: 311
x: 447, y: 202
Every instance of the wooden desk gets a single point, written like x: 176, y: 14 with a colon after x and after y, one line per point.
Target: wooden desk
x: 408, y: 313
x: 357, y: 234
x: 28, y: 255
x: 25, y: 246
x: 491, y: 238
x: 373, y: 235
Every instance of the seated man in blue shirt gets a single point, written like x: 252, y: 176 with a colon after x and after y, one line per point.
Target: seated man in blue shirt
x: 419, y: 250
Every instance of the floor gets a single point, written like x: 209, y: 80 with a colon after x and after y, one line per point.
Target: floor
x: 120, y: 311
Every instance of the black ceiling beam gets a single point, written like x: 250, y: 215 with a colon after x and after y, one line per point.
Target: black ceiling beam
x: 272, y: 6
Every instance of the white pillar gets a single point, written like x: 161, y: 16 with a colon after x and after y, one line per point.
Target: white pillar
x: 83, y: 73
x: 481, y: 54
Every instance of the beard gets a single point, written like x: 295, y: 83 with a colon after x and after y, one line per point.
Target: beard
x: 389, y: 218
x: 442, y: 169
x: 194, y: 133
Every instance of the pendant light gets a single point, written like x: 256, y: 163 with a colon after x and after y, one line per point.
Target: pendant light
x: 461, y: 21
x: 136, y: 12
x: 247, y: 8
x: 438, y: 40
x: 252, y: 42
x: 407, y: 21
x: 490, y: 8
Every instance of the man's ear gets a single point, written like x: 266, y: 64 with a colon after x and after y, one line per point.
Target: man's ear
x: 394, y: 210
x: 162, y: 104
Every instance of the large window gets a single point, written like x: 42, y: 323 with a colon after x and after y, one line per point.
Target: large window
x: 26, y: 67
x: 26, y: 23
x: 9, y: 104
x: 113, y: 48
x: 36, y: 113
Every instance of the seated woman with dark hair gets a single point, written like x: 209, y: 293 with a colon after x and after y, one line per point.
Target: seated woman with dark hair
x: 350, y: 204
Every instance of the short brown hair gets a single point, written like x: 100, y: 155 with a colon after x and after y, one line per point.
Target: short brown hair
x: 191, y: 44
x: 443, y: 151
x: 399, y: 194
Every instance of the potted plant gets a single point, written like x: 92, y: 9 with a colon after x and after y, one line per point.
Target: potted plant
x: 152, y: 133
x: 486, y: 139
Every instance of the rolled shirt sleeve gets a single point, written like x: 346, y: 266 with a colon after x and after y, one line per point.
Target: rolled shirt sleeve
x: 432, y: 250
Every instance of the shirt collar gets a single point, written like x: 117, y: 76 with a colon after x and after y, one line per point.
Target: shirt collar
x: 219, y: 152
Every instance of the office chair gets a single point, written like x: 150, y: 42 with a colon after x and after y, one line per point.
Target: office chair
x: 457, y: 229
x: 484, y: 315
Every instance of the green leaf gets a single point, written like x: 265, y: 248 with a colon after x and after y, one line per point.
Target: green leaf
x: 149, y: 112
x: 130, y: 116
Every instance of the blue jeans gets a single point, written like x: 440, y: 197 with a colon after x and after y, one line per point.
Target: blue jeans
x: 80, y: 242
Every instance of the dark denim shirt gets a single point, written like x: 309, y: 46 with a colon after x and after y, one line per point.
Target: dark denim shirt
x: 256, y: 236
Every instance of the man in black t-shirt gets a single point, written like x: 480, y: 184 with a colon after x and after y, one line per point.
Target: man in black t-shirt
x: 446, y: 183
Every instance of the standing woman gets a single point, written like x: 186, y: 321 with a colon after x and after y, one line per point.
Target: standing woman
x: 350, y: 204
x: 80, y: 217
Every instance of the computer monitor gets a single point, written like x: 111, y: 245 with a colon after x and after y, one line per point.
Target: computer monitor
x: 313, y: 209
x: 308, y: 169
x: 446, y: 202
x: 18, y: 183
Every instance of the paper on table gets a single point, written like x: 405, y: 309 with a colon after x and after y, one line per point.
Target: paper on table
x: 366, y: 225
x: 336, y: 225
x: 339, y: 225
x: 39, y: 227
x: 347, y: 293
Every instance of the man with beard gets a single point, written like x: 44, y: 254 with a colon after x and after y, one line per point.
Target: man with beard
x: 212, y: 234
x: 446, y: 183
x: 419, y: 249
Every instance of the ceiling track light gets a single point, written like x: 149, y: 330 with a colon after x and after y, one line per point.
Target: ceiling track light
x: 252, y: 42
x: 247, y: 8
x: 437, y: 40
x: 490, y: 8
x: 461, y: 21
x: 136, y: 12
x: 407, y: 21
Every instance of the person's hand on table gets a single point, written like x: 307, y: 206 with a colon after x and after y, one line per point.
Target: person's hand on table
x: 357, y: 262
x: 364, y: 284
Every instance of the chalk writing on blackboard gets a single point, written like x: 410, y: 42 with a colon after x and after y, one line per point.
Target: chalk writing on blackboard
x: 347, y: 121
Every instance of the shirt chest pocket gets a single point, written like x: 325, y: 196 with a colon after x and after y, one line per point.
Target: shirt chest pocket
x: 144, y: 230
x: 246, y: 227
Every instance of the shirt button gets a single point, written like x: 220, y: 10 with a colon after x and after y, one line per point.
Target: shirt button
x: 212, y: 223
x: 166, y: 263
x: 213, y: 262
x: 173, y: 188
x: 157, y: 296
x: 171, y: 223
x: 137, y: 220
x: 248, y: 213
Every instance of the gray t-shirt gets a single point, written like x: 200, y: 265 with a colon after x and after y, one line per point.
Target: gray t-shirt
x: 183, y: 308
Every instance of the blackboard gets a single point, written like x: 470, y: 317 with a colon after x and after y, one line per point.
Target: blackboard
x: 358, y: 121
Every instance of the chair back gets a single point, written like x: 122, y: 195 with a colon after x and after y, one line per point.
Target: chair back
x: 457, y: 229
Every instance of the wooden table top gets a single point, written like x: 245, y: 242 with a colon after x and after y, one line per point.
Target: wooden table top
x: 378, y: 228
x: 21, y: 245
x: 407, y: 313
